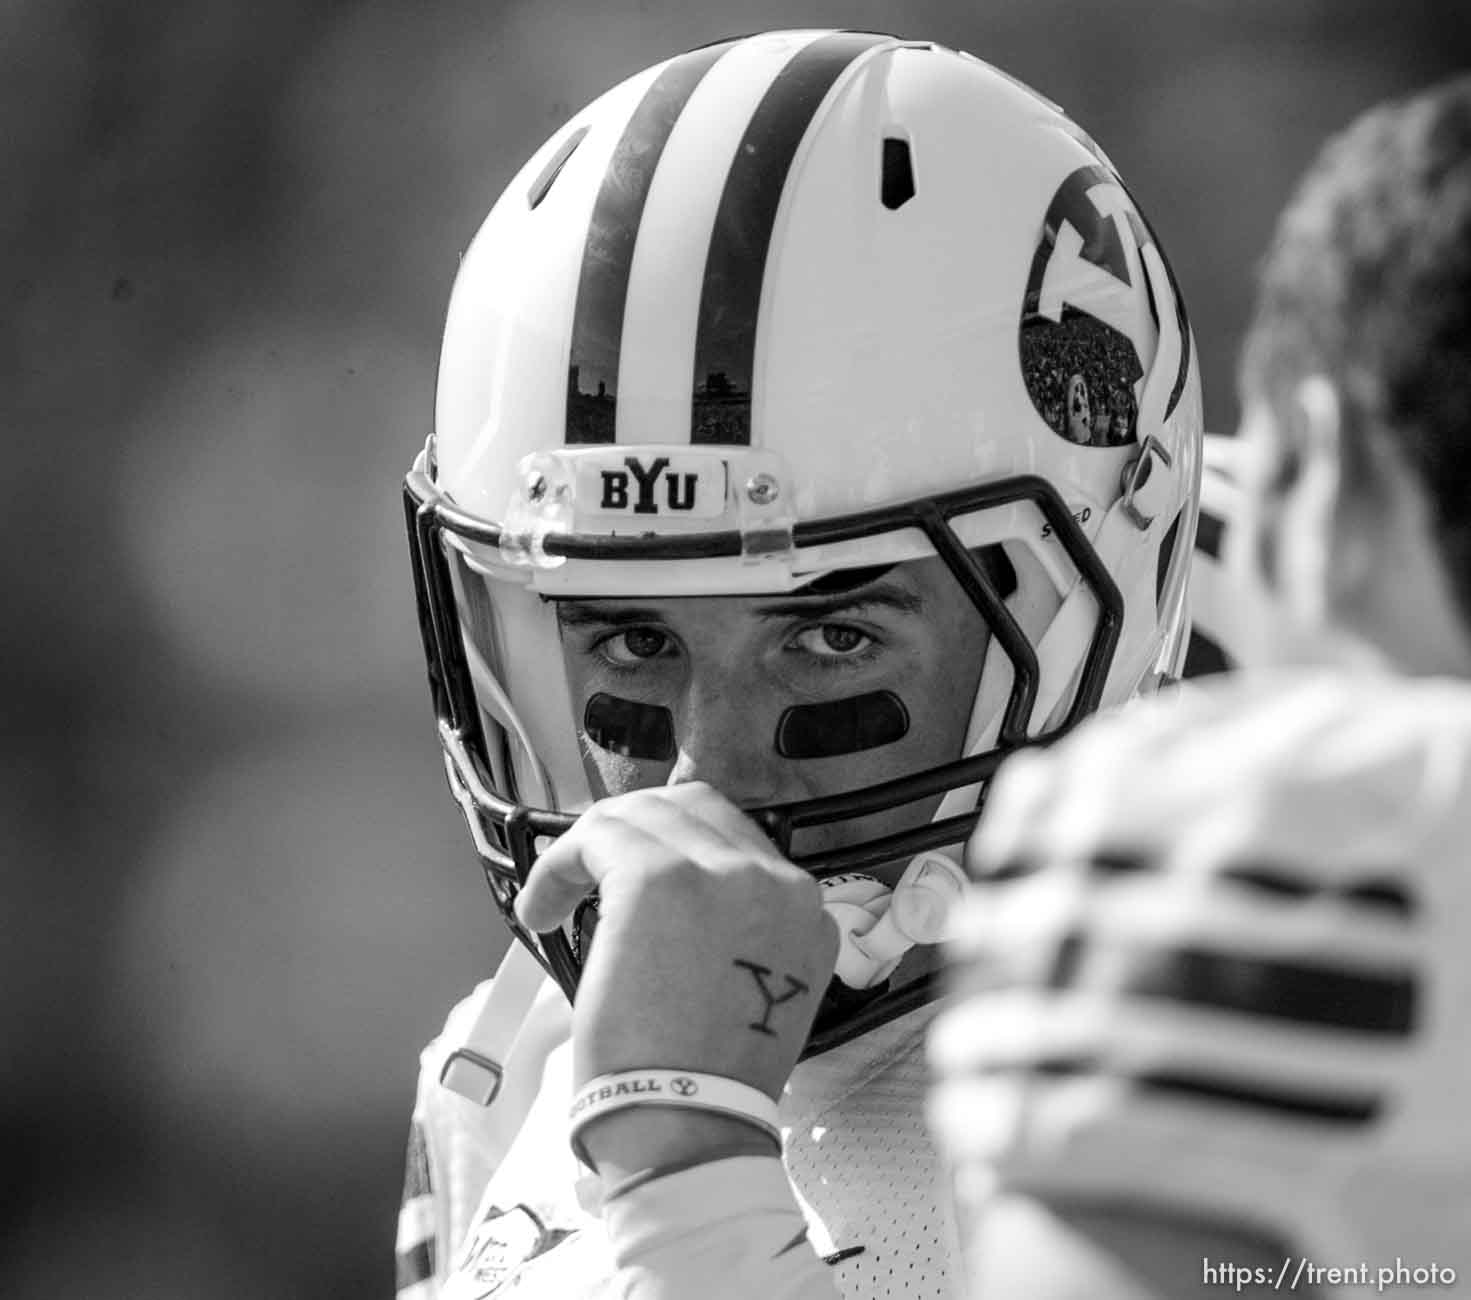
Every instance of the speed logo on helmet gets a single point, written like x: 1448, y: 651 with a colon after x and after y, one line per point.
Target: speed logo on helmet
x: 1088, y: 329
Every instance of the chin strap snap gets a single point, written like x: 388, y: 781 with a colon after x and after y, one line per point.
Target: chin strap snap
x: 878, y: 925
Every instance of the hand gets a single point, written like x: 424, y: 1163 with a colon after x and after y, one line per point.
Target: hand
x: 712, y: 951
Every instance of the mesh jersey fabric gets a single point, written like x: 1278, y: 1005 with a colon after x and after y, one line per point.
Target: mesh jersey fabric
x: 859, y: 1159
x: 863, y: 1166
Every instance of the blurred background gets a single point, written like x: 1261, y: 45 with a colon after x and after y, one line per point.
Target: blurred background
x: 235, y: 898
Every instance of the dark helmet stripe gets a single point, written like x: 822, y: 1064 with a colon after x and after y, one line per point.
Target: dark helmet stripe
x: 730, y: 297
x: 607, y: 259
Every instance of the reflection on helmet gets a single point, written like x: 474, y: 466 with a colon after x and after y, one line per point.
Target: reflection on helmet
x: 775, y: 314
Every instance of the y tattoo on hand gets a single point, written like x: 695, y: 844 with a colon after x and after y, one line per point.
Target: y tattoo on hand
x: 759, y: 974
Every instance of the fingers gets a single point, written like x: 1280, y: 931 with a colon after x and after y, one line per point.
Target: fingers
x: 650, y: 830
x: 720, y: 813
x: 550, y: 897
x: 575, y: 866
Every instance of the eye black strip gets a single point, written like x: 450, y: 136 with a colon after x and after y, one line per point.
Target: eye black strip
x: 607, y: 259
x: 730, y: 298
x: 629, y: 728
x: 845, y: 726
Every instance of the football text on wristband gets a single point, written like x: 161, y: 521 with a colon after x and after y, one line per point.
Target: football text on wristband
x: 878, y: 926
x: 689, y: 1089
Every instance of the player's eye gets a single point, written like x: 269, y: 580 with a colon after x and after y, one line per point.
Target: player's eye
x: 633, y: 646
x: 834, y: 641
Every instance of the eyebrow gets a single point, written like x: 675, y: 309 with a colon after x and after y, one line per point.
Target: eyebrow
x: 588, y: 613
x: 573, y: 612
x: 883, y: 595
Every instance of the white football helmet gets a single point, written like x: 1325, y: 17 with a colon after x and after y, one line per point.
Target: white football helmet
x: 774, y: 309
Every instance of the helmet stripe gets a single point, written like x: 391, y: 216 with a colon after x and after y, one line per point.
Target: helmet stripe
x: 730, y: 297
x: 602, y: 289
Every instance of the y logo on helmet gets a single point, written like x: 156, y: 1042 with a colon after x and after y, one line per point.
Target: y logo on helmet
x: 677, y: 486
x: 1088, y: 329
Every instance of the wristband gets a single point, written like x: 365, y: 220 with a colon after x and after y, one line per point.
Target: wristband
x: 687, y: 1088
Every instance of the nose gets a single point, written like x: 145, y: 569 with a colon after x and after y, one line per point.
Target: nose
x: 725, y: 738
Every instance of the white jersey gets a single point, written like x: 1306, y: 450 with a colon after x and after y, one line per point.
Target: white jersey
x: 1223, y: 965
x: 852, y: 1210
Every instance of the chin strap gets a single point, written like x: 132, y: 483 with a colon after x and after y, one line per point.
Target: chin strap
x: 878, y: 925
x: 474, y: 1067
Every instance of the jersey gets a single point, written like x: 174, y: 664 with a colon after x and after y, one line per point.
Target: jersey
x: 1219, y: 963
x: 852, y: 1209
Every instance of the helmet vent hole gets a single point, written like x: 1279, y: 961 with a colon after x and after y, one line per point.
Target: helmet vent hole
x: 896, y: 186
x: 543, y: 183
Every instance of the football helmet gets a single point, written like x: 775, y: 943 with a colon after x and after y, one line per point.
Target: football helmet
x: 771, y: 311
